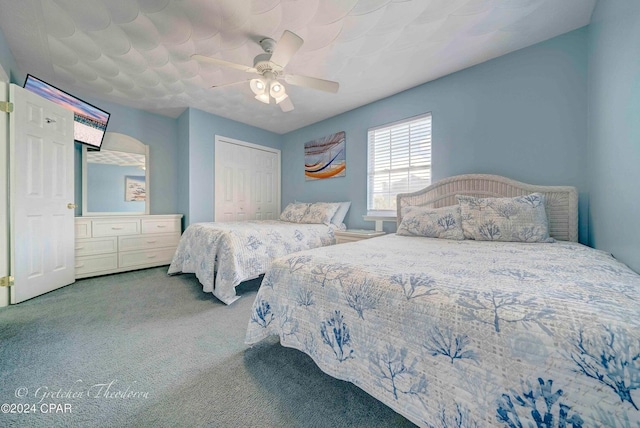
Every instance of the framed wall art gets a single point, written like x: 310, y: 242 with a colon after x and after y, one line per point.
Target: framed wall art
x: 325, y: 157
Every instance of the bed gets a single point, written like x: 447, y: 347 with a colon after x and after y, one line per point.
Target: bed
x: 224, y: 254
x: 468, y: 333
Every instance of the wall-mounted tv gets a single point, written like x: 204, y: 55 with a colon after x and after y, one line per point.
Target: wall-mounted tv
x: 90, y: 123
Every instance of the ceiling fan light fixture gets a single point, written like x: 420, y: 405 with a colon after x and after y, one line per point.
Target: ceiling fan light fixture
x: 277, y: 92
x: 263, y: 98
x: 258, y: 86
x: 280, y: 97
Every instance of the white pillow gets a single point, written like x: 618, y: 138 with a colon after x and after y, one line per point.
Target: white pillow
x: 341, y: 213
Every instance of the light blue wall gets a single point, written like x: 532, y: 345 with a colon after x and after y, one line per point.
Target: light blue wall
x: 614, y: 129
x: 522, y: 115
x: 203, y: 127
x: 107, y: 183
x: 9, y: 63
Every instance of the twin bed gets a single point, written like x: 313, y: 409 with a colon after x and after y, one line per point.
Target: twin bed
x: 468, y: 333
x: 224, y: 254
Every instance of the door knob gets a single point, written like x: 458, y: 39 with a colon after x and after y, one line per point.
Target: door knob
x: 71, y: 206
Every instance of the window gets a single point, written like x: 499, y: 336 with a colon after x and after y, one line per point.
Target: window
x: 399, y: 161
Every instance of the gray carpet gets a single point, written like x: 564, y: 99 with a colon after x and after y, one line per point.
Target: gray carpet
x: 144, y: 349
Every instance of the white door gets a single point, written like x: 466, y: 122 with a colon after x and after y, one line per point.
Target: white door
x: 4, y: 217
x: 247, y: 181
x: 263, y: 185
x: 41, y: 183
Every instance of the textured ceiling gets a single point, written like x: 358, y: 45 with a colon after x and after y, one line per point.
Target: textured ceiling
x: 113, y: 157
x: 137, y: 52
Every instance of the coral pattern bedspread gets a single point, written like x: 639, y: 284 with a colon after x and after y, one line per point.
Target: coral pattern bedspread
x: 465, y: 333
x: 222, y: 255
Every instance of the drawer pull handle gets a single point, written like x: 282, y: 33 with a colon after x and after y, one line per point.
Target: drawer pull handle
x: 79, y: 266
x: 79, y: 248
x: 153, y: 256
x: 161, y: 226
x: 151, y: 242
x: 117, y: 227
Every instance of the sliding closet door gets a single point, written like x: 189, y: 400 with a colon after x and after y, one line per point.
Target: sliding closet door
x: 247, y: 181
x: 232, y: 186
x: 264, y: 185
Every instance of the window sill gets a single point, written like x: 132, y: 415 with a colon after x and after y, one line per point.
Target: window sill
x: 379, y: 218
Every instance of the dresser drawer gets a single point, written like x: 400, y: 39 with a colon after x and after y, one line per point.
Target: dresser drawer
x: 93, y: 246
x: 96, y: 264
x: 148, y: 257
x: 160, y: 225
x: 115, y: 227
x: 144, y: 242
x: 83, y: 228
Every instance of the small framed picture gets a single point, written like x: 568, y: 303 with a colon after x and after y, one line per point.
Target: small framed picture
x: 134, y: 188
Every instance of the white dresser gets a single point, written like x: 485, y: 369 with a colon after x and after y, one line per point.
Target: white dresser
x: 109, y: 244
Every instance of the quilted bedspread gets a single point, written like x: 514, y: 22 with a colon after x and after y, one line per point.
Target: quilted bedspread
x: 466, y: 333
x: 222, y: 255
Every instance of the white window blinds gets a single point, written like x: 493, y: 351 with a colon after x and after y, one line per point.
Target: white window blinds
x: 399, y: 161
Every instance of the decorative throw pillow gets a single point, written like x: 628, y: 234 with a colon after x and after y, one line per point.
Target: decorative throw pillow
x: 519, y: 219
x: 294, y: 212
x: 320, y: 212
x: 444, y: 222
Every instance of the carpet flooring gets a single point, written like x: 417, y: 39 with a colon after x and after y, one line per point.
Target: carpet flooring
x: 143, y: 349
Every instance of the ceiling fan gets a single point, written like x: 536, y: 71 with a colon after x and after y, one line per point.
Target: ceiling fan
x: 270, y: 67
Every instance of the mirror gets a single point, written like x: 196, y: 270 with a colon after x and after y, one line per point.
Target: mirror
x: 115, y: 179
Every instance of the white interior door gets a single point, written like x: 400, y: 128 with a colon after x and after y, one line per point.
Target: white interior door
x: 247, y: 181
x: 4, y: 217
x: 42, y: 185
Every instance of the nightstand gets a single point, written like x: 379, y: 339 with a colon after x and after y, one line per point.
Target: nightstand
x: 353, y: 235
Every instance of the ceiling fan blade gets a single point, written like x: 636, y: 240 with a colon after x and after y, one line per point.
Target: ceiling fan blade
x: 287, y: 46
x: 312, y: 82
x: 286, y: 105
x: 224, y: 63
x: 224, y: 85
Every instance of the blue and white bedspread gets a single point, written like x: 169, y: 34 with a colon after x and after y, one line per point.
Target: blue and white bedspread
x: 222, y: 255
x: 466, y: 333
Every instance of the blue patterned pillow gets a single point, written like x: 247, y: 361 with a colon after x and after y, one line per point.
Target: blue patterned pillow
x: 294, y: 212
x: 444, y: 222
x: 519, y: 219
x: 320, y: 212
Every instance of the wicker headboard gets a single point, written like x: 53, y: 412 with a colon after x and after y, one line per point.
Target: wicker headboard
x: 561, y: 201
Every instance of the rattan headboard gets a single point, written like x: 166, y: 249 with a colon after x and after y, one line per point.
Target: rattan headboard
x: 561, y: 201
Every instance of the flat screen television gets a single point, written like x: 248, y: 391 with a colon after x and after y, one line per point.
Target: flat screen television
x: 90, y: 123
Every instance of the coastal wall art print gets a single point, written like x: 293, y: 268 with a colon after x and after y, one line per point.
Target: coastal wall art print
x: 325, y: 157
x: 135, y: 188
